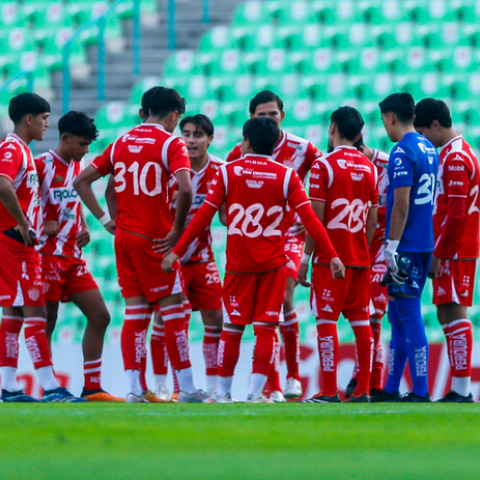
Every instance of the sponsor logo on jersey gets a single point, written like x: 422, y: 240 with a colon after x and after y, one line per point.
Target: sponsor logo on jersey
x: 357, y: 177
x: 134, y: 138
x: 58, y: 178
x: 430, y: 160
x: 379, y: 268
x: 7, y: 157
x: 24, y: 271
x: 456, y: 168
x: 198, y: 199
x: 238, y: 171
x: 272, y: 314
x: 441, y: 291
x: 381, y: 298
x: 46, y: 287
x: 11, y: 146
x: 159, y: 289
x: 58, y: 195
x: 397, y: 162
x: 454, y: 183
x: 315, y: 176
x: 212, y: 267
x: 342, y: 164
x: 5, y: 297
x: 327, y: 295
x: 414, y: 285
x: 135, y: 148
x: 34, y: 294
x: 399, y: 174
x: 255, y: 183
x: 55, y: 271
x: 327, y: 308
x: 399, y: 150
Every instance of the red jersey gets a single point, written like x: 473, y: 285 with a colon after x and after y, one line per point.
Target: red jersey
x: 255, y: 190
x: 16, y: 163
x: 348, y: 183
x: 200, y: 250
x: 291, y: 151
x: 456, y: 218
x: 143, y: 161
x: 60, y: 202
x: 377, y: 247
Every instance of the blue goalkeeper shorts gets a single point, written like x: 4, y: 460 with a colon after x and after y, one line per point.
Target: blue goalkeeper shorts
x: 417, y: 274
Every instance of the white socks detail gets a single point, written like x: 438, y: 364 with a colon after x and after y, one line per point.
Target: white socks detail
x: 9, y: 379
x: 133, y: 377
x: 160, y: 382
x: 185, y: 380
x: 257, y: 383
x: 224, y: 386
x: 47, y: 378
x: 462, y: 385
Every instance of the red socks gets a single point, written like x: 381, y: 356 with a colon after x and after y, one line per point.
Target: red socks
x: 264, y: 352
x: 175, y: 336
x: 37, y: 343
x: 290, y: 334
x: 92, y: 373
x: 133, y: 337
x: 10, y: 329
x: 158, y: 350
x: 327, y: 338
x: 376, y: 380
x: 364, y: 348
x: 228, y: 351
x: 273, y: 382
x: 460, y: 345
x: 211, y: 339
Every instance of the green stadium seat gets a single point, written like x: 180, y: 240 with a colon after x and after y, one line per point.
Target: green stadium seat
x: 261, y: 37
x: 387, y: 12
x: 10, y: 15
x: 460, y: 60
x: 428, y: 85
x: 49, y: 17
x: 305, y: 37
x: 178, y: 67
x: 383, y: 84
x: 113, y: 120
x: 341, y: 12
x: 331, y: 89
x: 215, y: 39
x: 357, y: 35
x: 321, y: 61
x: 445, y: 35
x: 366, y: 61
x: 468, y: 11
x: 466, y: 89
x: 17, y: 42
x: 274, y: 62
x: 139, y: 89
x: 404, y: 35
x: 227, y: 64
x: 52, y: 45
x: 249, y: 14
x: 296, y: 12
x: 241, y: 90
x: 412, y: 60
x: 433, y: 11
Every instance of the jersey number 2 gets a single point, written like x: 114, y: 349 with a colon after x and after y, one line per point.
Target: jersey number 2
x: 252, y: 216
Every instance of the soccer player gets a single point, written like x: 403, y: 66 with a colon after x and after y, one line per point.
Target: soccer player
x: 344, y: 196
x: 255, y: 190
x: 64, y: 273
x: 21, y: 288
x: 143, y: 161
x: 412, y: 171
x: 456, y: 228
x: 200, y: 272
x: 379, y: 292
x: 298, y: 154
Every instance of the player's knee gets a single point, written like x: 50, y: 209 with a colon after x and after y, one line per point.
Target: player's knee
x: 101, y: 319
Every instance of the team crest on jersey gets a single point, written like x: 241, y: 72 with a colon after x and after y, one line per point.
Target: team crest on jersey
x: 238, y: 171
x: 34, y: 294
x: 135, y: 148
x: 55, y: 271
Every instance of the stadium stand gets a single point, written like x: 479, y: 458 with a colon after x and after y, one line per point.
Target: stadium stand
x: 316, y: 54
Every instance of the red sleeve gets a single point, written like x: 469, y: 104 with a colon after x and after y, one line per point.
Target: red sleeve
x: 177, y: 156
x: 375, y: 193
x: 104, y: 162
x: 299, y: 201
x: 11, y: 160
x: 319, y: 181
x: 202, y: 219
x: 456, y: 180
x: 311, y: 155
x: 235, y: 154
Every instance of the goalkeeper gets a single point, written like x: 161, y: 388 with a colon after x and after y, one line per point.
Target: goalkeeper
x: 412, y: 171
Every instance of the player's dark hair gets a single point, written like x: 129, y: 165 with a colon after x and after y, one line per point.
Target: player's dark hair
x: 262, y: 133
x: 401, y: 104
x: 146, y: 99
x: 164, y: 100
x: 359, y: 143
x: 78, y: 124
x: 201, y: 121
x: 349, y: 122
x: 265, y: 97
x: 27, y: 104
x: 430, y: 109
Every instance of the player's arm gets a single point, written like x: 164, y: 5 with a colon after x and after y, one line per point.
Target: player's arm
x: 9, y: 199
x: 111, y: 198
x: 83, y: 237
x: 456, y: 182
x: 184, y: 202
x: 222, y: 214
x: 371, y: 224
x: 214, y: 200
x: 83, y: 186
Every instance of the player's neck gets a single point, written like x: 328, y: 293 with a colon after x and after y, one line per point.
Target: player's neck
x: 448, y: 134
x: 199, y: 162
x: 62, y: 154
x: 23, y: 134
x: 403, y: 130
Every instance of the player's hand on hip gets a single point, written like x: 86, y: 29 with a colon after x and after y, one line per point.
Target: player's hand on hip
x: 165, y: 245
x: 83, y: 238
x: 110, y: 227
x: 25, y: 233
x: 51, y: 228
x: 297, y: 229
x: 302, y: 275
x: 434, y: 267
x: 168, y: 261
x: 337, y: 268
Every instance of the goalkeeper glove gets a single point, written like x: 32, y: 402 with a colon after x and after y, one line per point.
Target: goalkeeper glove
x: 396, y: 274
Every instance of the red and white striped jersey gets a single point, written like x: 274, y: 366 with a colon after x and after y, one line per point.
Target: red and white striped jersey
x: 377, y: 247
x: 17, y: 164
x: 60, y: 202
x: 347, y: 182
x: 291, y: 151
x: 456, y: 218
x: 200, y: 250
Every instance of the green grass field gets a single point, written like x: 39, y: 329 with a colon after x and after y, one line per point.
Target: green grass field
x: 294, y: 441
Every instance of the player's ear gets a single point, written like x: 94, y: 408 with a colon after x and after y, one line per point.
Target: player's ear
x: 282, y: 116
x: 210, y: 140
x: 436, y: 125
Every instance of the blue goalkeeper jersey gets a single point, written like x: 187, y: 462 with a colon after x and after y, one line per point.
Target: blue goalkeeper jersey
x: 414, y: 163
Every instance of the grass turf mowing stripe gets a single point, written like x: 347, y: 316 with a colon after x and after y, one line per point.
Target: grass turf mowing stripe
x: 239, y: 441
